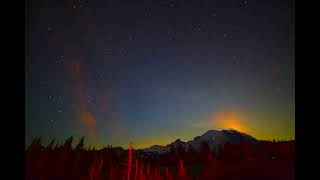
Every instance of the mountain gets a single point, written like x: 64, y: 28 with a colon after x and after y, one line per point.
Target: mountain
x: 158, y: 149
x: 214, y: 138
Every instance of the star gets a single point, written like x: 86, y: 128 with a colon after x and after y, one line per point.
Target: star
x: 198, y: 28
x: 90, y: 99
x: 43, y: 84
x: 108, y: 51
x: 235, y: 28
x: 123, y: 52
x: 244, y: 4
x: 51, y: 122
x: 60, y: 60
x: 132, y: 36
x: 148, y: 13
x: 213, y: 13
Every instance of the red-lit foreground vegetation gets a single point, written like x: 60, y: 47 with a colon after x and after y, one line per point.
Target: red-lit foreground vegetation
x: 265, y: 160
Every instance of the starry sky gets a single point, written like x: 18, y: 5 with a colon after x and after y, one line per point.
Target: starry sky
x: 150, y: 72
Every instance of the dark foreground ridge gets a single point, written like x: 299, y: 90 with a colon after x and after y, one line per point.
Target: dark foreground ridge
x: 237, y: 156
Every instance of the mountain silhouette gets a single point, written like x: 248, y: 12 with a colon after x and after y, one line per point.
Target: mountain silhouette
x: 214, y: 138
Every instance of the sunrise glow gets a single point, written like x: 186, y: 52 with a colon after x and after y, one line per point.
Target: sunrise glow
x: 229, y: 120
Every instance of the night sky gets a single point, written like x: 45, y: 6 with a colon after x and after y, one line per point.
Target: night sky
x: 150, y: 72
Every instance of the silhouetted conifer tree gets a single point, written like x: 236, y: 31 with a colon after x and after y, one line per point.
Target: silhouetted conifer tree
x: 68, y: 144
x: 80, y: 145
x: 50, y: 145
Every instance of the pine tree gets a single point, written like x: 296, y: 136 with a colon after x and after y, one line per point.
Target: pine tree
x: 80, y: 144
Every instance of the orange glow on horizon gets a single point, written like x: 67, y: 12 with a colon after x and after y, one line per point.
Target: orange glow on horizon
x: 229, y: 120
